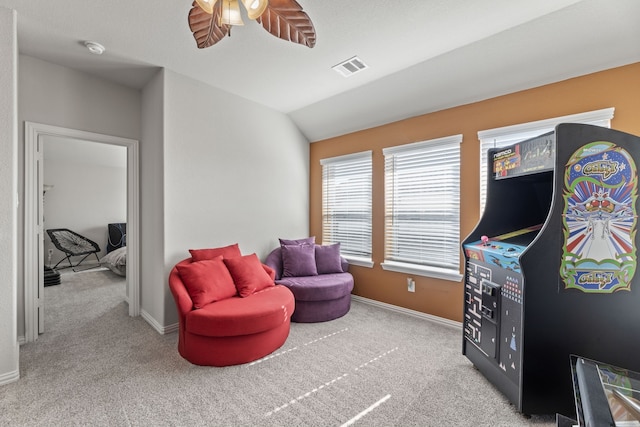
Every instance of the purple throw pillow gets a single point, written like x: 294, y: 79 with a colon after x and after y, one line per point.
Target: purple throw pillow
x: 328, y: 259
x: 308, y: 241
x: 298, y: 261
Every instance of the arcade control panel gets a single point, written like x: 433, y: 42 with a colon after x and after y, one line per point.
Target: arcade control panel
x: 501, y: 254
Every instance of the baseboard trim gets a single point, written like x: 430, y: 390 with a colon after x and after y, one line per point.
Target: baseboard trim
x: 151, y: 321
x: 409, y: 312
x: 169, y: 329
x: 22, y: 340
x: 9, y: 377
x: 162, y: 330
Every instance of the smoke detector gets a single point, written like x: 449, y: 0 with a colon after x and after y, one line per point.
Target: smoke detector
x: 349, y: 67
x: 95, y: 48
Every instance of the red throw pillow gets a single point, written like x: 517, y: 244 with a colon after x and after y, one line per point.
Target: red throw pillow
x: 207, y: 281
x: 270, y: 271
x: 230, y: 251
x: 248, y: 274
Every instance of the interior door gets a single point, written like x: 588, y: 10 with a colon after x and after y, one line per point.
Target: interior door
x: 40, y: 235
x: 34, y: 225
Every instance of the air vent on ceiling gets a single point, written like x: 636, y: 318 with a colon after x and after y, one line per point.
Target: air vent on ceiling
x: 351, y: 66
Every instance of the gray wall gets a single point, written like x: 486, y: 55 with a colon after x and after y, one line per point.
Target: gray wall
x: 215, y: 168
x: 152, y: 269
x: 90, y: 190
x: 233, y: 171
x: 59, y: 96
x: 8, y: 188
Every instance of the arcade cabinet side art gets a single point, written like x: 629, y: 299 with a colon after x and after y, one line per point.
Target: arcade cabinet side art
x: 599, y: 219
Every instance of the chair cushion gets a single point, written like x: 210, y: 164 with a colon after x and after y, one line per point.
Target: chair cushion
x: 319, y: 288
x: 298, y: 260
x: 249, y: 275
x: 207, y: 281
x: 230, y: 251
x: 262, y: 311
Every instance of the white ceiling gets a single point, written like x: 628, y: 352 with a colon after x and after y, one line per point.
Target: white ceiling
x: 423, y: 55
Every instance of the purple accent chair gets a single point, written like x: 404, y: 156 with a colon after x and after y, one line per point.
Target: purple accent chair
x: 318, y: 298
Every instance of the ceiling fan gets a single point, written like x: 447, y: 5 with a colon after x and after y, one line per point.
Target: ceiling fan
x: 211, y: 20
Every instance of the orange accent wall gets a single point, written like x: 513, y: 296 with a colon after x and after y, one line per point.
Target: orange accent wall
x: 617, y: 87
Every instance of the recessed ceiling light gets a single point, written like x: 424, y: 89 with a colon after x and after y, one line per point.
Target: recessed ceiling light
x: 95, y: 48
x: 351, y: 66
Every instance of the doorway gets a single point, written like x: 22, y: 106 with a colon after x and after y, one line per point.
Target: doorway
x: 34, y: 258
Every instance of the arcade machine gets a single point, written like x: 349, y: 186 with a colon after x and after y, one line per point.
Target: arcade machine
x: 550, y: 266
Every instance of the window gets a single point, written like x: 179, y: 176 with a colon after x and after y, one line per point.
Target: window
x: 422, y: 208
x: 346, y: 205
x: 501, y: 137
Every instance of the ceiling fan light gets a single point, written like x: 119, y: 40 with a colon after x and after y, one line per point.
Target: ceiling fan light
x: 255, y: 8
x: 207, y: 5
x: 230, y: 14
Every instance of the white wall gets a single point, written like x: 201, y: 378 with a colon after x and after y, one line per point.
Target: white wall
x: 8, y: 188
x: 214, y: 168
x: 152, y: 271
x: 59, y: 96
x: 90, y: 190
x: 234, y: 171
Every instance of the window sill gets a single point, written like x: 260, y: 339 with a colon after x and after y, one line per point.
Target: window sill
x: 420, y: 270
x: 362, y: 262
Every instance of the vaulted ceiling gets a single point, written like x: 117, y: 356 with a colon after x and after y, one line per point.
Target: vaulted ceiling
x: 423, y: 55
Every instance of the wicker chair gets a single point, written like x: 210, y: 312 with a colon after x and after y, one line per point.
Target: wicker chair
x: 72, y: 244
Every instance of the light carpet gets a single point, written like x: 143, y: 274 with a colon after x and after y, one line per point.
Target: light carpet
x: 97, y: 366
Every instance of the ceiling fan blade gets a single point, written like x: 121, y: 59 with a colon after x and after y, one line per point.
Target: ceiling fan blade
x: 286, y: 19
x: 205, y: 27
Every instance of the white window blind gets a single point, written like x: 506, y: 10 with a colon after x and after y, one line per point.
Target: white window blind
x: 346, y: 205
x: 504, y: 136
x: 422, y: 208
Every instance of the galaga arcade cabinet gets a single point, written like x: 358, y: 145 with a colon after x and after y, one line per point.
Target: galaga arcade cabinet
x: 550, y: 269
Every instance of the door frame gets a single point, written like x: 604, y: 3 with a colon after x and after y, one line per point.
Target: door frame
x: 33, y: 229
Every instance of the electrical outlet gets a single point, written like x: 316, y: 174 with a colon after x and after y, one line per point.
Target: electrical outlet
x: 411, y: 284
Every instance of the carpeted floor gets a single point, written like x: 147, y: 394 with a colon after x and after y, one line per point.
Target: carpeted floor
x: 96, y: 366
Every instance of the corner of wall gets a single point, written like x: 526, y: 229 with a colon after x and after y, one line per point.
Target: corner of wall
x: 9, y: 349
x: 152, y: 287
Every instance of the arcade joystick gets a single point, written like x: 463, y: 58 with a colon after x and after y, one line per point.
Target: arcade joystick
x: 485, y: 240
